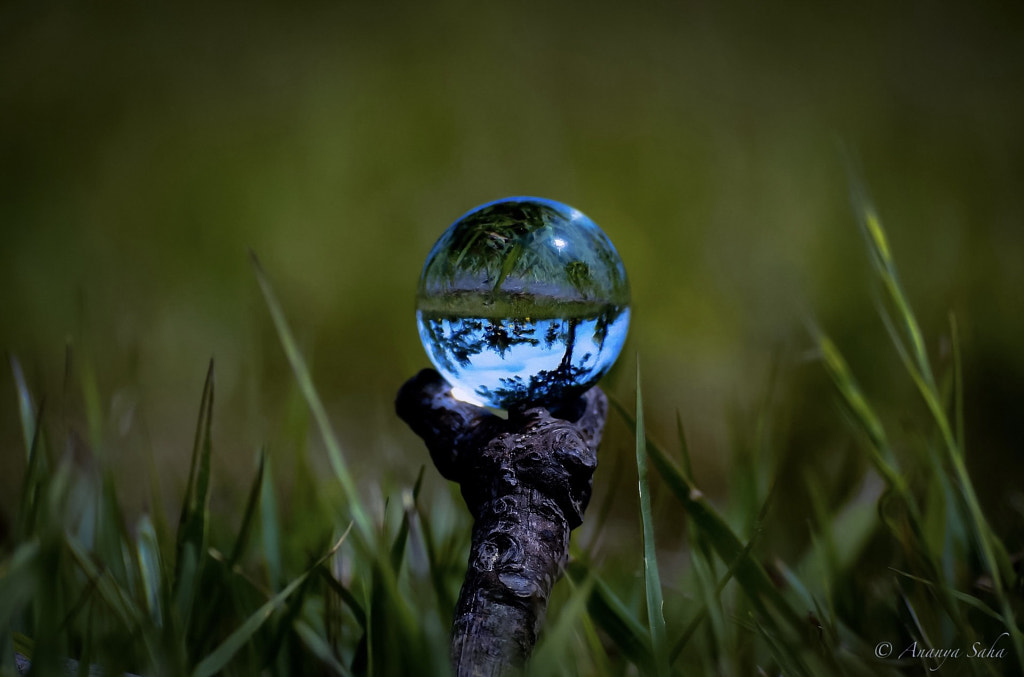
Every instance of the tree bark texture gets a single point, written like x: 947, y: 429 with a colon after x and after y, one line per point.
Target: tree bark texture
x: 526, y: 482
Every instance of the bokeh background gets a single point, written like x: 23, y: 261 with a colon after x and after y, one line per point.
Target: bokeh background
x: 144, y: 149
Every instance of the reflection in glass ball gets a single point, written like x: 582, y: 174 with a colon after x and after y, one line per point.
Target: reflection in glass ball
x: 523, y: 300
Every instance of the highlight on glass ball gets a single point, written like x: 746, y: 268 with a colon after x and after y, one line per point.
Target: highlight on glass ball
x: 523, y: 301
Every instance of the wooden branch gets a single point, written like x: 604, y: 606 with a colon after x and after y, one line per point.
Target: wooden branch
x: 526, y: 481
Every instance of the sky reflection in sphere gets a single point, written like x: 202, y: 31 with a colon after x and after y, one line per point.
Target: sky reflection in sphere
x: 523, y: 300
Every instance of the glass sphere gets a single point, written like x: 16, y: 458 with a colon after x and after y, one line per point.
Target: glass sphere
x: 522, y: 301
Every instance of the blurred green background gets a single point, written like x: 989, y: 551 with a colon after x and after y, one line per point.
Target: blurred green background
x: 145, y: 148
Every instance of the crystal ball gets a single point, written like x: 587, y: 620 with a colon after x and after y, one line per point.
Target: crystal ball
x: 522, y: 301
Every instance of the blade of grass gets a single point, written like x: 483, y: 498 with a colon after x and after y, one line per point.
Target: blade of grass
x: 192, y: 525
x: 346, y: 596
x: 702, y: 613
x: 958, y: 382
x: 924, y: 381
x: 157, y: 509
x: 320, y: 648
x: 702, y: 550
x: 110, y: 591
x: 363, y: 526
x: 824, y: 543
x: 882, y: 456
x: 402, y: 622
x: 993, y: 553
x: 282, y: 627
x: 442, y: 593
x: 711, y: 608
x: 788, y: 658
x: 938, y: 518
x: 150, y: 569
x: 598, y: 653
x: 115, y: 597
x: 969, y: 600
x: 750, y: 574
x: 857, y: 521
x: 270, y: 530
x: 913, y: 534
x: 248, y: 518
x: 26, y: 411
x: 612, y: 616
x: 684, y: 446
x: 550, y: 656
x: 219, y: 658
x: 32, y: 485
x: 113, y: 543
x: 211, y: 608
x: 919, y: 631
x: 398, y: 547
x: 652, y: 578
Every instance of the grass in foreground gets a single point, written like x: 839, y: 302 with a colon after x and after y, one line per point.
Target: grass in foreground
x: 909, y: 560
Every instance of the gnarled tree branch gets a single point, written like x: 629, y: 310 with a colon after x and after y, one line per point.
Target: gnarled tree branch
x: 526, y: 481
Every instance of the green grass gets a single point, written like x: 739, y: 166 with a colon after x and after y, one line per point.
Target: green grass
x: 333, y: 585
